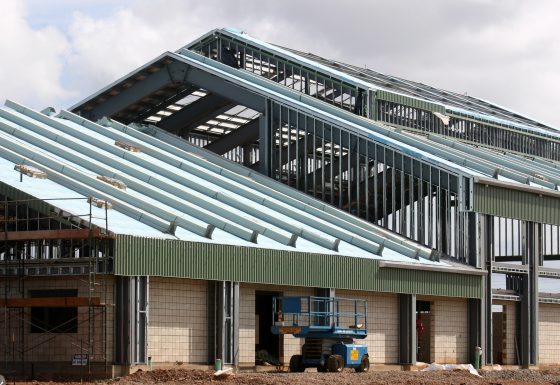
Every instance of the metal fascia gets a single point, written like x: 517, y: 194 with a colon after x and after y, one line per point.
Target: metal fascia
x: 424, y: 267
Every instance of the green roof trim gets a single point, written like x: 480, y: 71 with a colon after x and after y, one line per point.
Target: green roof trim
x: 408, y: 101
x: 196, y: 260
x: 517, y: 204
x: 503, y: 126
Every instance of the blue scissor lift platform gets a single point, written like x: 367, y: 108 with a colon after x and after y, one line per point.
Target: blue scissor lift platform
x: 329, y: 326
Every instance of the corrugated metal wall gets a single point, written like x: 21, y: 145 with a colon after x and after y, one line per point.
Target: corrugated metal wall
x: 172, y: 258
x: 502, y: 202
x: 408, y: 101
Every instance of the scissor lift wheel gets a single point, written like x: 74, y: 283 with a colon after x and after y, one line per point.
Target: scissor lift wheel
x: 296, y: 364
x: 335, y: 363
x: 364, y: 366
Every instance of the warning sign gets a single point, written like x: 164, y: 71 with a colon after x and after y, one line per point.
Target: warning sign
x: 80, y: 359
x: 354, y: 355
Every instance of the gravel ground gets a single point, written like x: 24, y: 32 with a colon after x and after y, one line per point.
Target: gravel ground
x: 203, y: 377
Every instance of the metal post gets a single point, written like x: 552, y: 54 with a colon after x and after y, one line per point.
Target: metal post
x: 228, y: 322
x: 407, y: 329
x: 476, y: 307
x: 211, y: 315
x: 529, y: 295
x: 265, y: 141
x: 534, y: 263
x: 235, y: 316
x: 486, y: 232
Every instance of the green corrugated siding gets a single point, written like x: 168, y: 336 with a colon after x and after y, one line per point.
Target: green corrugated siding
x: 503, y: 202
x: 408, y: 101
x: 172, y: 258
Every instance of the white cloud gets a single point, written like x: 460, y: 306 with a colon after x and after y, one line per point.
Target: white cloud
x: 506, y: 51
x: 32, y: 59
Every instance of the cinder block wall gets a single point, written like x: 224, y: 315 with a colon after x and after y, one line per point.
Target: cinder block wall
x: 246, y: 325
x: 178, y: 321
x: 57, y: 347
x: 549, y: 334
x: 382, y: 325
x: 382, y: 339
x: 449, y: 331
x: 291, y: 344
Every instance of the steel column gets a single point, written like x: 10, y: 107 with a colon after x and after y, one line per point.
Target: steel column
x: 228, y: 322
x: 486, y: 231
x: 211, y: 311
x: 475, y: 312
x: 265, y: 142
x: 407, y: 329
x: 122, y: 320
x: 529, y: 306
x: 476, y: 307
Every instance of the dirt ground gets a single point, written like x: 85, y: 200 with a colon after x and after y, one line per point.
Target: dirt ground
x: 202, y: 377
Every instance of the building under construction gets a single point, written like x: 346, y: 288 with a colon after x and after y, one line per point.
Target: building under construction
x: 153, y: 222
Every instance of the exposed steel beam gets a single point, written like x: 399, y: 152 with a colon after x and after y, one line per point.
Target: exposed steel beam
x: 51, y: 302
x: 53, y: 234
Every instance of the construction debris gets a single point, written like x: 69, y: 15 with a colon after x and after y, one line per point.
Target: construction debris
x: 347, y: 377
x: 224, y: 373
x: 30, y: 171
x: 451, y: 367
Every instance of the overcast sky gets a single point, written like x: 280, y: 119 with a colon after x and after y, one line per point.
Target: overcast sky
x: 55, y: 53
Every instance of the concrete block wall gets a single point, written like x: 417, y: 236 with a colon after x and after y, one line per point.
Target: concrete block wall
x: 290, y: 344
x: 549, y: 334
x: 178, y: 321
x: 246, y: 325
x: 449, y: 331
x: 59, y: 347
x: 383, y: 325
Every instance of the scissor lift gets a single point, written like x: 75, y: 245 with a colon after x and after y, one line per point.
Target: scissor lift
x: 329, y: 326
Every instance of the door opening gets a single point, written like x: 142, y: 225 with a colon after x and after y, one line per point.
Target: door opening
x: 423, y: 332
x: 267, y: 345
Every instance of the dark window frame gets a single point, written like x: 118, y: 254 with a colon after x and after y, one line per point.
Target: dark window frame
x: 54, y: 319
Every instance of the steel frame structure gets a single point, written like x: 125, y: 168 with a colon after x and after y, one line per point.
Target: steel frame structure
x: 368, y: 179
x: 363, y: 174
x: 379, y: 97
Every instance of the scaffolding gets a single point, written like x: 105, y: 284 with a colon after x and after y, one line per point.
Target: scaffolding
x: 40, y: 240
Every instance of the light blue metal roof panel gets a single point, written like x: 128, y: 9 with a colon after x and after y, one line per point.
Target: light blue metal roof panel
x: 174, y: 190
x: 516, y: 169
x: 65, y: 199
x: 55, y: 145
x: 234, y: 187
x: 62, y: 154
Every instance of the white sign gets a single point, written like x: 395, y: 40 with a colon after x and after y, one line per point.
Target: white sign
x: 80, y: 359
